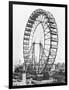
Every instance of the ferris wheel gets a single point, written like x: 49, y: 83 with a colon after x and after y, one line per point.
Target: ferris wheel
x: 50, y: 40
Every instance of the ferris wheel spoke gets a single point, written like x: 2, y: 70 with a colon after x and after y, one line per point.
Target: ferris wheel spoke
x: 45, y: 27
x: 46, y: 50
x: 47, y: 44
x: 45, y: 54
x: 47, y: 38
x: 47, y: 33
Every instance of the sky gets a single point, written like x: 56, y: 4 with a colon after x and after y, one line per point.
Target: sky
x: 21, y: 14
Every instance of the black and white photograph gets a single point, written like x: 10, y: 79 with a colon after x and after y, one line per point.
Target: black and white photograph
x: 37, y: 44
